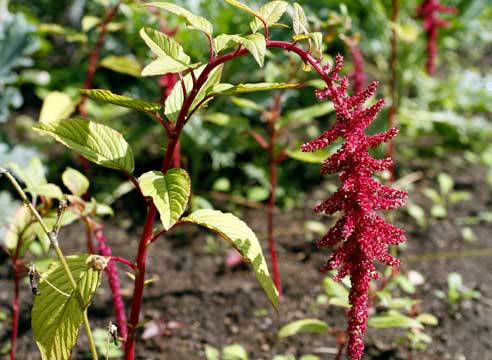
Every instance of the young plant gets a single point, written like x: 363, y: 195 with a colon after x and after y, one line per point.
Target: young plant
x: 456, y: 293
x: 444, y: 195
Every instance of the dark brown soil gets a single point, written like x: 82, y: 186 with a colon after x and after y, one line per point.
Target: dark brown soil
x: 220, y: 306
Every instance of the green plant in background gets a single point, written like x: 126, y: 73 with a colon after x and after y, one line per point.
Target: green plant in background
x: 229, y: 352
x: 457, y: 292
x: 445, y: 195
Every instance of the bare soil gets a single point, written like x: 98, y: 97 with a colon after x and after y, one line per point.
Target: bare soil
x: 220, y: 306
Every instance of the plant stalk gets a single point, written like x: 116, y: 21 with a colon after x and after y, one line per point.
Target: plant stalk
x: 393, y: 80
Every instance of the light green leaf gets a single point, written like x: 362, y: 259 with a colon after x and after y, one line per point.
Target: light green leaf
x: 164, y: 66
x: 33, y: 175
x: 55, y: 317
x: 211, y: 353
x: 234, y: 352
x: 247, y: 104
x: 193, y: 21
x: 17, y: 228
x: 75, y: 181
x: 170, y: 193
x: 229, y: 89
x: 255, y: 44
x: 122, y: 64
x: 299, y: 20
x: 307, y: 114
x: 163, y: 45
x: 88, y: 22
x: 427, y: 319
x: 336, y: 290
x: 69, y: 34
x: 311, y: 326
x: 121, y: 100
x: 241, y: 237
x: 309, y: 157
x: 174, y: 101
x: 56, y: 105
x: 446, y: 183
x: 317, y: 38
x: 222, y: 42
x: 50, y: 191
x: 246, y: 8
x: 393, y: 319
x: 270, y: 12
x: 96, y: 142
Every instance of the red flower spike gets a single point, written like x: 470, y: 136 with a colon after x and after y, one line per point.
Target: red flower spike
x: 360, y: 235
x: 428, y: 11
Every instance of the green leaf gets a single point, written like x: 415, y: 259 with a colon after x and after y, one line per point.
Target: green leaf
x: 446, y: 183
x: 211, y: 353
x: 33, y: 175
x: 336, y: 290
x: 163, y: 45
x: 75, y: 181
x: 393, y: 319
x: 121, y: 100
x: 164, y: 66
x: 299, y: 20
x: 50, y: 191
x: 241, y: 237
x: 171, y: 57
x: 270, y: 12
x: 222, y: 42
x: 193, y: 21
x: 56, y: 105
x: 229, y: 89
x: 234, y: 352
x: 123, y: 64
x: 255, y: 44
x: 170, y: 193
x: 317, y: 38
x: 96, y: 142
x: 247, y: 104
x: 311, y: 326
x: 307, y: 114
x: 16, y: 230
x: 246, y: 8
x: 427, y: 319
x: 174, y: 101
x: 309, y: 157
x: 55, y: 317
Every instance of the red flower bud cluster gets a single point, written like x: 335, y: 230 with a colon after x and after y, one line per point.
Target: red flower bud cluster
x: 360, y: 236
x: 428, y: 11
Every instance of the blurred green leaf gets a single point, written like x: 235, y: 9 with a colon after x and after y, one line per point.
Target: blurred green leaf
x: 123, y: 64
x: 312, y: 326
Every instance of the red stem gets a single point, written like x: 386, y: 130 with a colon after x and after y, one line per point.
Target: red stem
x: 94, y: 56
x: 173, y: 140
x: 139, y: 282
x: 393, y: 108
x: 272, y: 162
x: 15, y: 311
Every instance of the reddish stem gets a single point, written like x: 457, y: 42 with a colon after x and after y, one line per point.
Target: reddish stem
x: 393, y: 108
x: 139, y: 282
x: 272, y: 163
x: 94, y: 56
x: 15, y: 310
